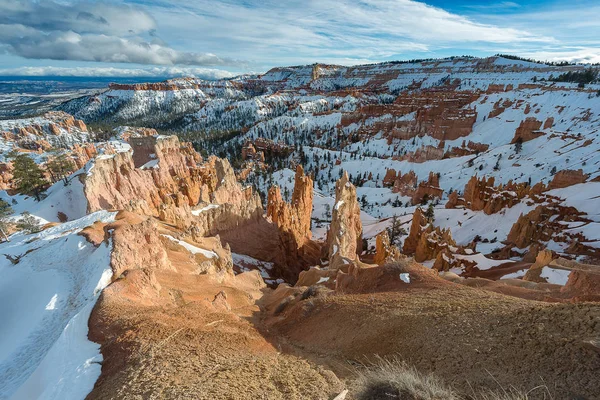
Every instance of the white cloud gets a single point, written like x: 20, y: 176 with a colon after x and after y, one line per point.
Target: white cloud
x: 583, y: 55
x: 204, y: 73
x: 267, y: 33
x: 307, y: 31
x: 86, y: 31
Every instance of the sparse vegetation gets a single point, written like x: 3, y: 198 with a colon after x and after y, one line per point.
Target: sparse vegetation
x: 582, y: 78
x: 28, y: 176
x: 394, y: 379
x: 5, y: 211
x: 60, y: 167
x: 396, y: 231
x: 29, y: 223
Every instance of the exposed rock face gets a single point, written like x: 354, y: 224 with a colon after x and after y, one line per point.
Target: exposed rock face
x: 170, y: 181
x: 424, y: 241
x: 293, y: 219
x: 466, y: 149
x: 547, y: 222
x: 406, y: 185
x: 390, y: 177
x: 567, y: 177
x: 529, y: 129
x: 293, y: 222
x: 428, y: 190
x: 344, y: 238
x: 424, y: 154
x: 114, y: 181
x: 582, y: 284
x: 482, y: 195
x: 54, y: 129
x: 385, y: 251
x: 138, y: 246
x: 543, y: 258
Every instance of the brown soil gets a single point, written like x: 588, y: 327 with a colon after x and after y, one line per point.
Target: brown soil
x: 470, y: 337
x: 172, y: 334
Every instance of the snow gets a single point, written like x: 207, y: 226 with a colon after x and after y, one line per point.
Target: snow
x: 243, y: 262
x: 69, y: 200
x: 405, y: 277
x: 206, y: 208
x: 515, y: 275
x: 152, y: 164
x: 483, y: 263
x: 193, y: 249
x: 55, y: 284
x: 555, y: 276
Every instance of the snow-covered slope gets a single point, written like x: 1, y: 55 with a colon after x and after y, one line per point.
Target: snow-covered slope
x: 46, y: 296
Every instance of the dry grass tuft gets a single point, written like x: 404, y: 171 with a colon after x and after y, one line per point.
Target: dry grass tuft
x: 389, y: 379
x: 393, y: 379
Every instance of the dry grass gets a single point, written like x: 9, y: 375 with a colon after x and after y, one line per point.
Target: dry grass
x: 389, y: 379
x: 393, y: 379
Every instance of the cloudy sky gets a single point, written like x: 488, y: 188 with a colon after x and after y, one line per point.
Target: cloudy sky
x: 220, y: 38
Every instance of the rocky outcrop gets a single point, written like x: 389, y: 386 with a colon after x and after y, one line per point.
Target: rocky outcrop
x: 344, y: 238
x: 424, y: 241
x: 543, y: 259
x: 53, y: 129
x: 169, y: 182
x: 137, y: 245
x: 428, y: 190
x: 293, y: 219
x: 547, y: 222
x: 114, y: 182
x: 424, y: 154
x: 406, y: 185
x: 567, y: 177
x: 480, y: 194
x: 385, y: 251
x: 529, y: 129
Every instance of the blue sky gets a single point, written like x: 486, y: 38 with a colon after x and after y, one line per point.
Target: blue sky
x: 220, y: 38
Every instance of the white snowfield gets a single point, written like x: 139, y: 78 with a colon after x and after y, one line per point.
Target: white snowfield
x: 45, y: 302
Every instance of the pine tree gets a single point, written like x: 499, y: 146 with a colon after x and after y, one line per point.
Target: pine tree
x: 28, y: 177
x: 5, y: 211
x: 396, y: 231
x: 29, y: 223
x: 518, y: 145
x: 430, y: 213
x: 60, y: 167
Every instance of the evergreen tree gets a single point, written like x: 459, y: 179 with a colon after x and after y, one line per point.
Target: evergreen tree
x: 430, y: 213
x: 28, y: 176
x: 396, y: 231
x: 60, y: 167
x: 29, y: 223
x: 519, y: 145
x: 5, y: 211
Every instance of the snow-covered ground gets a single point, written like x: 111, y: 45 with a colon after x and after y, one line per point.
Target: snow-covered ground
x: 45, y: 302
